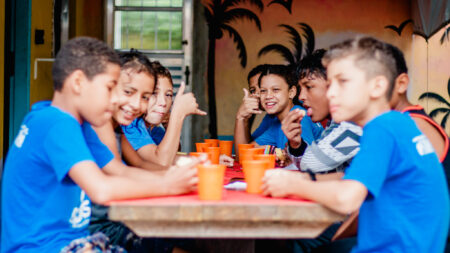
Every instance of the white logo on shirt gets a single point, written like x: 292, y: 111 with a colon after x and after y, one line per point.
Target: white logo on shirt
x: 81, y: 215
x: 21, y: 136
x: 423, y: 145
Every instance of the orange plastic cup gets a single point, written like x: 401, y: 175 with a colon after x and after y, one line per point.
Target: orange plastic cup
x: 201, y: 146
x: 214, y: 142
x: 214, y: 153
x: 226, y: 147
x: 253, y: 173
x: 244, y: 146
x: 266, y: 157
x: 249, y: 153
x: 210, y: 181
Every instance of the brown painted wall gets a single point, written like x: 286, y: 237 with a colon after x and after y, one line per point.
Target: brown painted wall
x: 332, y: 21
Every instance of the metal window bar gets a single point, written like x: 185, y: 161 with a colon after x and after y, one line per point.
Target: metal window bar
x: 141, y: 36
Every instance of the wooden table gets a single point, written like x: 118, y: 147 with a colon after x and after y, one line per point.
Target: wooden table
x: 238, y: 215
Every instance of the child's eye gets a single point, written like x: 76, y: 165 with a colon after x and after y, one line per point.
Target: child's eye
x: 252, y: 91
x: 146, y: 98
x: 127, y: 92
x: 170, y: 95
x: 263, y: 91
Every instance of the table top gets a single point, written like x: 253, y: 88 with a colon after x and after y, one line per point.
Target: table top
x: 237, y: 215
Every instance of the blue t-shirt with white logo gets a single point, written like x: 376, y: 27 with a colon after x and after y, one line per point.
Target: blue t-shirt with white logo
x: 407, y: 206
x: 275, y: 136
x: 43, y: 209
x: 137, y: 134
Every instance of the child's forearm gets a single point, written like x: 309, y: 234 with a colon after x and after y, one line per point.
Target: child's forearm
x: 166, y: 150
x: 241, y: 132
x: 343, y: 196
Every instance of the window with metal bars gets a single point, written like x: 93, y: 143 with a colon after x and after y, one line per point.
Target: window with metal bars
x: 148, y: 25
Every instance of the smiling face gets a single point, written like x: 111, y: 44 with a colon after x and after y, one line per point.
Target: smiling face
x: 161, y: 101
x: 313, y: 94
x: 97, y: 96
x: 133, y: 91
x: 276, y: 97
x: 348, y: 92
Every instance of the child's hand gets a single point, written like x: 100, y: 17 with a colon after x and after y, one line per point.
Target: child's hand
x: 249, y: 106
x: 181, y: 179
x: 186, y: 103
x: 292, y: 127
x: 226, y: 160
x: 277, y: 182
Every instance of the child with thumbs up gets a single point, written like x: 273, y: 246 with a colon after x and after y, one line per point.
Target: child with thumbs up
x: 139, y: 137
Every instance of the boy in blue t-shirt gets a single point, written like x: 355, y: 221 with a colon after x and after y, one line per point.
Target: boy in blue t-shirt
x: 52, y: 173
x: 396, y: 180
x: 277, y: 91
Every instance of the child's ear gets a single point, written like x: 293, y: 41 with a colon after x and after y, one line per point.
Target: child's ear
x: 401, y: 83
x: 292, y: 92
x: 75, y: 80
x: 379, y: 86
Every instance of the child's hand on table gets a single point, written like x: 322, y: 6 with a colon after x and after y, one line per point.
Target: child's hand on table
x: 182, y: 178
x: 277, y: 182
x: 226, y: 160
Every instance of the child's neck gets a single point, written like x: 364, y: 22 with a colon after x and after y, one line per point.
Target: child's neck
x: 374, y: 109
x: 281, y: 115
x: 61, y: 101
x: 402, y: 104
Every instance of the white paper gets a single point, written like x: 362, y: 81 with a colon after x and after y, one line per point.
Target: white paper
x: 237, y: 185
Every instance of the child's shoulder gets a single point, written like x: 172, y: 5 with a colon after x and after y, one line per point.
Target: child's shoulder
x: 393, y: 122
x: 44, y: 115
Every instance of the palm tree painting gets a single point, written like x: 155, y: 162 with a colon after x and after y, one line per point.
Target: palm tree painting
x: 400, y: 28
x: 219, y: 16
x: 440, y: 99
x: 295, y: 55
x: 445, y: 36
x: 287, y: 4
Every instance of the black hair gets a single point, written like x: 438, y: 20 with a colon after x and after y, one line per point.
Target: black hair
x: 311, y: 65
x: 256, y: 70
x: 89, y: 55
x: 282, y: 71
x: 400, y: 62
x: 161, y: 71
x: 137, y: 62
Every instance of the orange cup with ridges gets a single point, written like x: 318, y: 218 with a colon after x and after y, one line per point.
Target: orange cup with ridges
x: 210, y: 181
x: 226, y: 147
x: 253, y: 173
x: 214, y: 153
x: 214, y: 142
x: 242, y: 147
x: 266, y: 157
x: 201, y: 146
x: 249, y: 153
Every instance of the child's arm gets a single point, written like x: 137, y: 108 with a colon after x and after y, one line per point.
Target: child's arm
x: 133, y: 158
x: 102, y: 187
x: 343, y: 196
x: 242, y: 125
x: 165, y: 152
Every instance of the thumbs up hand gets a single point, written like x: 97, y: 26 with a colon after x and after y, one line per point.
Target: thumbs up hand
x: 249, y: 106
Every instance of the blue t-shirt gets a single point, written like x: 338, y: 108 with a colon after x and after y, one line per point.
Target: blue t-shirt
x: 407, y: 206
x: 157, y: 133
x: 264, y: 125
x: 137, y: 134
x: 274, y: 135
x: 43, y: 209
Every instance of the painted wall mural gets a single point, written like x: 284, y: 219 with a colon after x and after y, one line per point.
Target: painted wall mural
x: 281, y: 32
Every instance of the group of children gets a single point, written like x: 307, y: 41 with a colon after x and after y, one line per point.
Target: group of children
x: 100, y: 139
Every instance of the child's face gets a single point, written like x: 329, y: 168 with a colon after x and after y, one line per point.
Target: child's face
x: 348, y: 92
x: 275, y: 94
x: 253, y: 87
x: 313, y: 90
x: 161, y: 101
x: 97, y: 98
x: 133, y: 91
